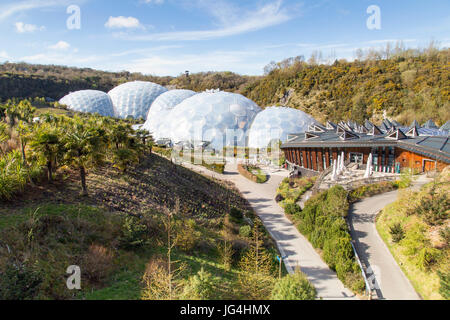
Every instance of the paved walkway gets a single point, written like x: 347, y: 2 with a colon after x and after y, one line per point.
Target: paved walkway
x: 290, y: 242
x: 390, y: 281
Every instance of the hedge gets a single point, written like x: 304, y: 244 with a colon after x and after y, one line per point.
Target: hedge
x: 322, y: 221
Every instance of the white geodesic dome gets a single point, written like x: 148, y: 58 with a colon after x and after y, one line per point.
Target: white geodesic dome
x: 90, y: 101
x: 133, y: 99
x: 277, y: 123
x: 162, y: 106
x: 221, y: 118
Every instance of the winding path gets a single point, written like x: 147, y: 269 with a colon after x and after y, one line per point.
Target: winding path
x: 389, y: 281
x: 291, y: 244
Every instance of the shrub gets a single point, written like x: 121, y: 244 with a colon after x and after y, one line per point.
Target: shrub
x: 279, y: 198
x: 226, y: 254
x: 372, y: 189
x: 157, y: 281
x: 397, y: 232
x: 97, y: 263
x: 236, y: 214
x: 427, y: 257
x: 245, y: 231
x: 292, y: 208
x: 444, y: 278
x: 199, y: 287
x: 134, y: 233
x: 336, y: 201
x: 293, y: 287
x: 322, y: 222
x: 435, y: 208
x: 19, y: 283
x: 445, y: 235
x: 187, y: 235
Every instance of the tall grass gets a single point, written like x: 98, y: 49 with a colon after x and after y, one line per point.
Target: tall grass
x: 14, y: 175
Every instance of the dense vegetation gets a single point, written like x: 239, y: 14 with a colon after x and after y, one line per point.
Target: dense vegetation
x: 323, y: 222
x: 22, y: 80
x: 416, y: 230
x: 139, y: 227
x: 370, y: 190
x: 405, y: 83
x: 291, y: 189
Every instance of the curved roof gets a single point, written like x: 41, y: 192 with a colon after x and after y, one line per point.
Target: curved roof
x: 91, y: 101
x: 221, y: 118
x: 162, y: 106
x: 277, y: 123
x: 133, y: 99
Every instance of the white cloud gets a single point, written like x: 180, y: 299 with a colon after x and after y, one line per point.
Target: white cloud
x: 122, y: 22
x: 233, y: 22
x: 245, y: 62
x: 27, y: 28
x: 154, y: 1
x: 7, y: 10
x: 60, y: 45
x: 4, y: 55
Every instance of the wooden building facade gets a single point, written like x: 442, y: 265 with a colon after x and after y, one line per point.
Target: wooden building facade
x: 391, y: 151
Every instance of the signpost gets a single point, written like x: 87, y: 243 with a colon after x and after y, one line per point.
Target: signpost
x: 280, y: 260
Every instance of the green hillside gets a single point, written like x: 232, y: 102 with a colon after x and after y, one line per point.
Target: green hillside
x: 407, y: 84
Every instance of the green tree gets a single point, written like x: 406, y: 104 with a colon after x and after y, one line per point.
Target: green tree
x: 25, y: 134
x: 46, y: 141
x: 83, y: 150
x: 256, y: 279
x: 199, y: 287
x: 293, y: 287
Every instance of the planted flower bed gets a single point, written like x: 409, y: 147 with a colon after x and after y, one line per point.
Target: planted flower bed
x: 252, y: 173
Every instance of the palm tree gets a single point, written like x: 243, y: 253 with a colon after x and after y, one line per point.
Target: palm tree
x: 46, y: 141
x: 84, y: 148
x: 4, y: 135
x: 25, y: 111
x: 24, y: 130
x: 2, y: 112
x: 12, y: 112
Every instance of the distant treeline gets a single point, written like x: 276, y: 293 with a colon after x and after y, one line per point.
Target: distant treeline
x: 406, y: 84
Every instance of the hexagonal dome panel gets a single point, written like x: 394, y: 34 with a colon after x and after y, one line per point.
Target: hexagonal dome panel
x: 221, y: 118
x: 91, y: 101
x: 162, y: 106
x: 133, y: 99
x: 277, y: 123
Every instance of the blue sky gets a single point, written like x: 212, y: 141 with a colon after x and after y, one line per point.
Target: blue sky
x: 167, y: 37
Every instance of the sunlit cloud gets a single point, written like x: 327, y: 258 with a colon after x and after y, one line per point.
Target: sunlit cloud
x: 232, y: 23
x: 122, y: 22
x: 60, y: 45
x: 27, y: 28
x: 10, y: 9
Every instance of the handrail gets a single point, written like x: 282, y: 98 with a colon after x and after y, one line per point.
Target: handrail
x: 366, y: 281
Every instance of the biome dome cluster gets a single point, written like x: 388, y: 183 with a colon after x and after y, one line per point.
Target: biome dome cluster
x: 215, y: 117
x: 221, y: 118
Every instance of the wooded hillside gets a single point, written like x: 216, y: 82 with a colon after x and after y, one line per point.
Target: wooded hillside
x: 407, y: 84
